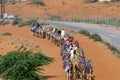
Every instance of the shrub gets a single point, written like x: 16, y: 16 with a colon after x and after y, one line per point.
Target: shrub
x: 114, y: 50
x: 23, y: 65
x: 6, y: 34
x: 31, y: 21
x: 38, y: 2
x: 95, y: 37
x: 22, y: 24
x: 84, y: 32
x: 17, y: 21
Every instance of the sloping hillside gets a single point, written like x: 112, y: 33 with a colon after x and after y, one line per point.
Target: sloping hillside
x: 64, y: 7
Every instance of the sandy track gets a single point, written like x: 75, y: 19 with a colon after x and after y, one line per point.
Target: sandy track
x: 106, y: 66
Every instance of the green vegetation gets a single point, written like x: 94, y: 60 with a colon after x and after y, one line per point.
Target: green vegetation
x: 84, y: 32
x: 17, y: 21
x: 25, y: 65
x: 106, y: 20
x: 6, y: 34
x: 20, y: 22
x: 109, y: 21
x: 114, y: 50
x: 38, y: 2
x: 95, y: 37
x: 31, y: 21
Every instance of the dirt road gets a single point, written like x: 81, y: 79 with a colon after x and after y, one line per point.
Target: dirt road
x: 106, y: 66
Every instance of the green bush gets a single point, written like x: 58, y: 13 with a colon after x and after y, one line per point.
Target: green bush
x: 23, y: 65
x: 84, y: 32
x: 38, y: 2
x: 31, y: 21
x: 17, y: 21
x: 22, y: 24
x: 114, y: 50
x: 95, y: 37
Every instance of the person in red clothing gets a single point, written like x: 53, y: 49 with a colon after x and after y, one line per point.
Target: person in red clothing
x: 70, y: 39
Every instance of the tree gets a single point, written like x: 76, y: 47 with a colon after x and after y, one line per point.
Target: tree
x: 23, y: 65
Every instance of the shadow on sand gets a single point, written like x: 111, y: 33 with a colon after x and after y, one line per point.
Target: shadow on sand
x: 50, y: 76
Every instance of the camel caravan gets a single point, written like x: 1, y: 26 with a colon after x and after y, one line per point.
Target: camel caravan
x: 75, y: 64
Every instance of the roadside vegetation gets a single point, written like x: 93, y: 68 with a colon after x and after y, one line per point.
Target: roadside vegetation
x: 84, y: 32
x: 38, y: 2
x: 97, y: 37
x: 23, y: 65
x: 105, y: 20
x: 20, y: 22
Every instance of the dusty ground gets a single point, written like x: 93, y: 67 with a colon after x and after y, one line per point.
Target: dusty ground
x: 64, y: 7
x: 106, y: 66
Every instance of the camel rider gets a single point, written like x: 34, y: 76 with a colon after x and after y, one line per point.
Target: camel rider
x: 67, y: 64
x: 72, y: 56
x: 59, y: 32
x: 89, y: 62
x: 69, y: 48
x: 62, y: 33
x: 76, y: 52
x: 33, y: 28
x: 37, y: 25
x: 82, y: 59
x: 53, y: 31
x: 70, y: 39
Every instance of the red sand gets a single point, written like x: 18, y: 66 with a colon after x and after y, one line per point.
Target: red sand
x: 106, y: 66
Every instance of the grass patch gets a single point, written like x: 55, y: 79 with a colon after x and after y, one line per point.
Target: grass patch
x: 84, y: 32
x: 17, y: 21
x: 38, y: 2
x: 20, y: 22
x: 96, y: 37
x: 31, y: 21
x: 114, y: 50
